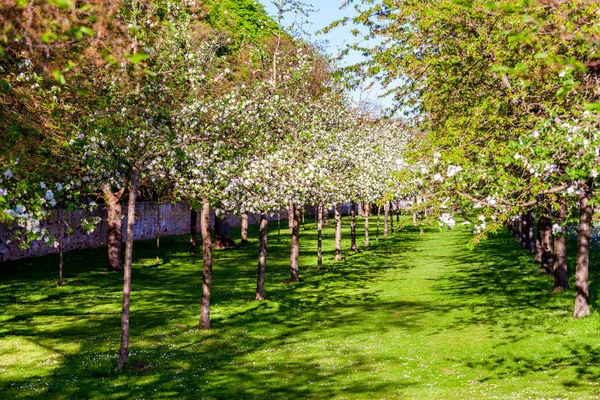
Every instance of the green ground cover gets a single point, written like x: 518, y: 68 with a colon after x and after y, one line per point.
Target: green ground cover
x: 414, y: 316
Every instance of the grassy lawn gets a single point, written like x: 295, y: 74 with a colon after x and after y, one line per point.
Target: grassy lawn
x: 414, y: 316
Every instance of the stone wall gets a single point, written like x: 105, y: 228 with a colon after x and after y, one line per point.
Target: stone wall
x: 175, y: 220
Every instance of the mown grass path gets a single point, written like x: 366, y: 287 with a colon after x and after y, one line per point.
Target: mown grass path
x: 414, y: 316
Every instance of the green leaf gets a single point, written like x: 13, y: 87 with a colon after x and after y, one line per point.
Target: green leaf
x: 138, y: 57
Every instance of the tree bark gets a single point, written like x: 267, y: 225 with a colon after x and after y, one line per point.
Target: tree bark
x: 222, y: 234
x: 124, y: 352
x: 244, y: 228
x: 158, y: 221
x: 60, y: 247
x: 207, y: 266
x: 561, y: 279
x: 366, y: 211
x: 377, y: 231
x: 524, y: 230
x: 582, y: 306
x: 519, y: 230
x: 325, y: 216
x: 546, y: 245
x: 291, y: 210
x: 279, y: 222
x: 414, y: 211
x: 320, y: 236
x: 114, y: 220
x: 338, y: 231
x: 262, y: 257
x: 391, y: 218
x: 530, y: 233
x: 353, y: 227
x: 386, y: 212
x: 193, y: 219
x: 295, y: 251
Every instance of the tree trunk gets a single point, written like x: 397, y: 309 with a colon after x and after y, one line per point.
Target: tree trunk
x: 295, y: 251
x: 338, y: 231
x: 291, y: 210
x: 114, y: 220
x: 391, y: 218
x: 561, y: 279
x: 244, y: 228
x: 320, y: 236
x: 60, y: 247
x: 279, y: 222
x: 207, y: 267
x: 519, y: 230
x: 353, y: 227
x: 415, y: 211
x: 386, y: 212
x: 262, y: 257
x: 524, y: 230
x: 325, y: 216
x: 124, y: 352
x: 193, y: 219
x: 582, y: 306
x: 303, y: 212
x: 377, y: 231
x: 530, y: 233
x: 222, y: 234
x: 366, y: 209
x: 158, y: 221
x: 546, y: 245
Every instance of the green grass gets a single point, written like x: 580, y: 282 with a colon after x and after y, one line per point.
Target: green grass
x: 414, y: 316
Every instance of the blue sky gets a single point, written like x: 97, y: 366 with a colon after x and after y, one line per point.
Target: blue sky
x: 329, y: 11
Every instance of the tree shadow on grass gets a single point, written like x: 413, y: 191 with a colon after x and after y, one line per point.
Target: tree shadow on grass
x: 77, y: 326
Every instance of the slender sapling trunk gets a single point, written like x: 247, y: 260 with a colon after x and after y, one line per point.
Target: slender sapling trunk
x: 207, y: 266
x: 582, y: 305
x: 262, y: 257
x: 295, y: 251
x: 338, y: 231
x: 124, y: 352
x: 353, y: 226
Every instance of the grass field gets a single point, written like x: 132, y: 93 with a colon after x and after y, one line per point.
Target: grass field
x: 414, y: 316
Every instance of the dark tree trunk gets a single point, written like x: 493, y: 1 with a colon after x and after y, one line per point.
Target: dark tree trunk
x: 561, y: 279
x: 519, y: 230
x: 279, y: 222
x: 391, y: 218
x: 193, y: 219
x: 320, y: 236
x: 524, y: 230
x: 367, y: 208
x: 546, y: 245
x: 295, y: 251
x: 158, y: 221
x: 582, y: 306
x: 114, y: 220
x: 302, y: 217
x: 262, y: 257
x: 207, y: 267
x: 222, y: 234
x: 530, y: 233
x: 124, y: 352
x: 386, y: 212
x: 325, y: 215
x: 60, y: 247
x: 338, y: 231
x: 244, y: 228
x: 353, y: 227
x: 291, y: 210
